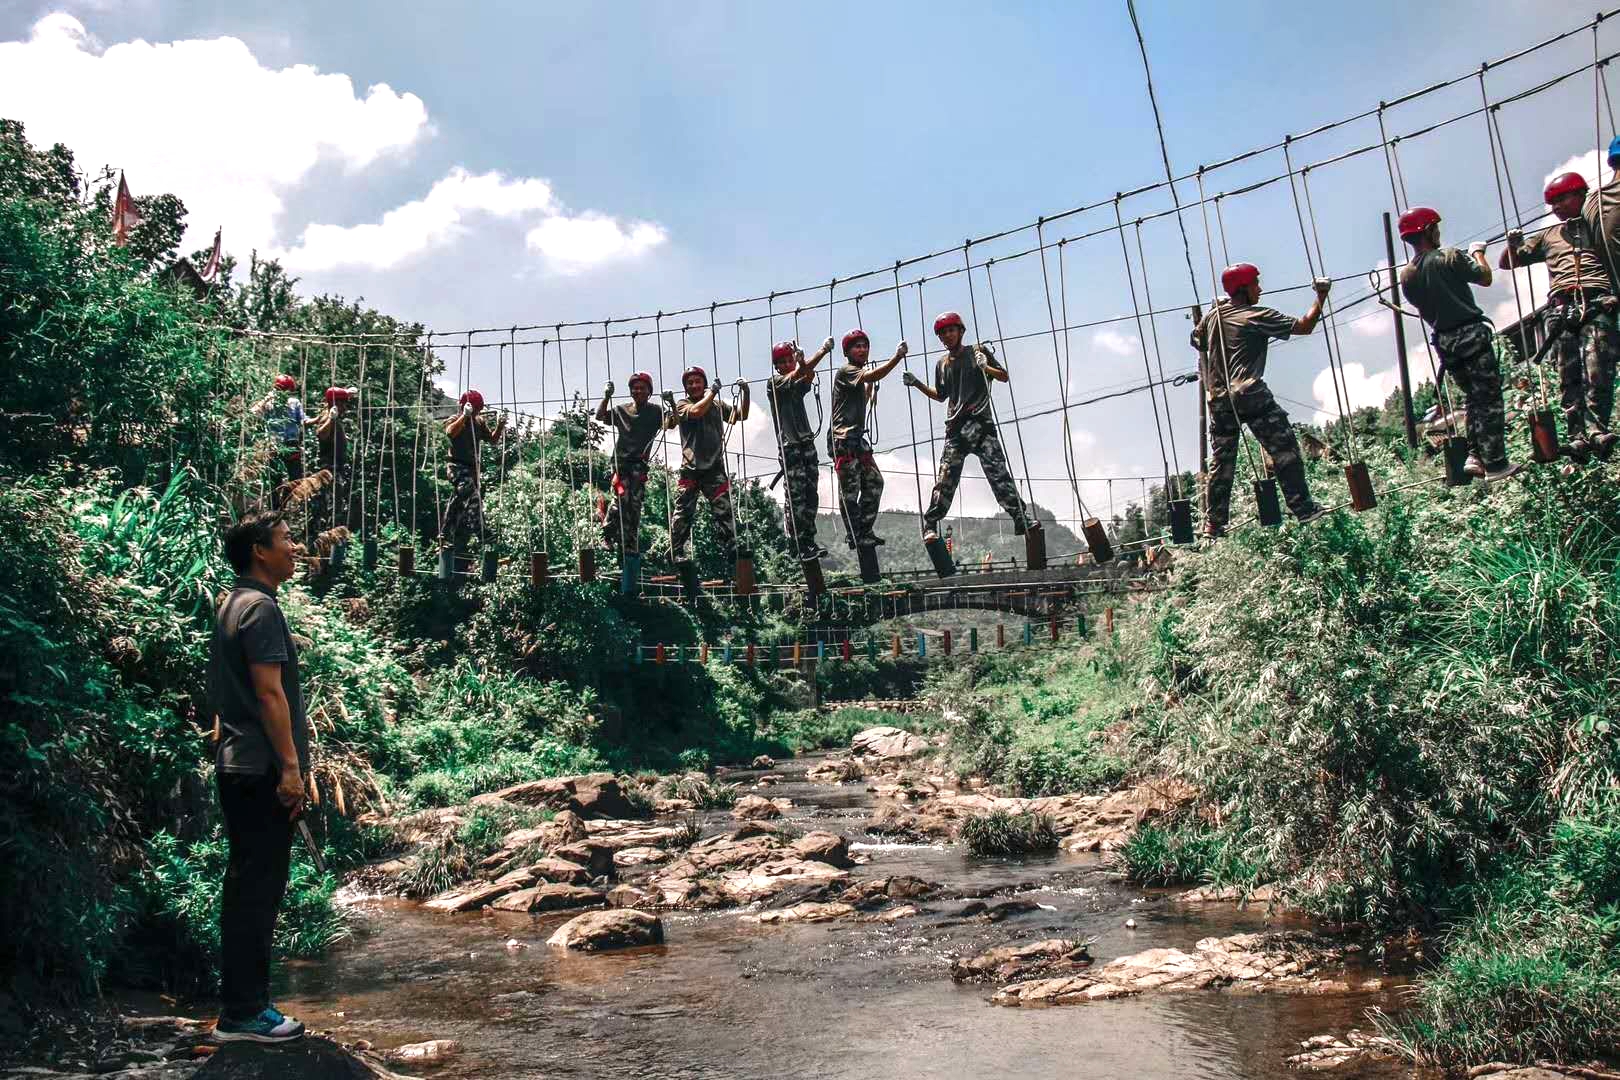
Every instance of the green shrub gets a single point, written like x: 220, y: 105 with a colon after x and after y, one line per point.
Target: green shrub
x: 1003, y: 833
x: 1183, y: 855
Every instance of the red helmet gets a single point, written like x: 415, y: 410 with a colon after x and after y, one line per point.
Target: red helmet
x: 286, y: 382
x: 852, y: 337
x: 783, y: 350
x: 473, y: 398
x: 1416, y: 220
x: 1239, y: 276
x: 640, y: 376
x: 336, y: 395
x: 1563, y: 184
x: 695, y: 370
x: 950, y: 318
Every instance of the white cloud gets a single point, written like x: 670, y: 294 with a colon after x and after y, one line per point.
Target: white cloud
x: 1115, y: 342
x: 434, y: 220
x: 200, y: 118
x: 1587, y: 164
x: 1360, y: 387
x: 573, y: 244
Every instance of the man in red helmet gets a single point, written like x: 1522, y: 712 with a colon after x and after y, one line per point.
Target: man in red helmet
x: 1580, y: 313
x: 702, y: 418
x: 332, y: 456
x: 796, y: 440
x: 284, y: 420
x: 464, y: 516
x: 860, y: 481
x: 1439, y: 282
x: 636, y: 426
x: 962, y: 380
x: 1232, y: 341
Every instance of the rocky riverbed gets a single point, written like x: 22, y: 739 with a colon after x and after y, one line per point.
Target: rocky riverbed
x: 825, y: 925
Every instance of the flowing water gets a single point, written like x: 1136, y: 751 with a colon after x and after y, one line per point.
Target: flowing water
x: 727, y: 997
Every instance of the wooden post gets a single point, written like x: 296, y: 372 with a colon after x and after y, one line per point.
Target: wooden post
x: 750, y: 654
x: 703, y: 653
x: 897, y: 646
x: 1054, y: 629
x: 658, y: 654
x: 945, y: 643
x: 1108, y: 620
x: 973, y: 639
x: 1400, y: 338
x: 539, y: 568
x: 848, y: 649
x: 1001, y: 636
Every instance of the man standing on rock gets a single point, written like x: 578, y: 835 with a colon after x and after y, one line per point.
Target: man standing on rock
x: 259, y: 764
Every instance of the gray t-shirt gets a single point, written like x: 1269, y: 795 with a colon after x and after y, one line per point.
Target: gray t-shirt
x: 966, y: 388
x: 1439, y: 284
x: 787, y: 408
x: 637, y: 427
x: 250, y: 629
x: 703, y: 439
x: 848, y: 405
x: 1569, y: 249
x: 1604, y: 220
x: 1247, y: 330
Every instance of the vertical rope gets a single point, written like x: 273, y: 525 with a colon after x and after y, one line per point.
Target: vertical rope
x: 1158, y: 358
x: 742, y: 426
x: 1491, y: 136
x: 1057, y: 360
x: 1141, y: 334
x: 663, y: 436
x: 390, y: 441
x: 545, y: 454
x: 360, y: 418
x: 511, y: 352
x: 1012, y: 394
x: 1220, y: 326
x: 922, y: 322
x: 911, y: 415
x: 1068, y: 369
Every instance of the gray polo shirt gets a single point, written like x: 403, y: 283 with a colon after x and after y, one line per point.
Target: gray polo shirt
x: 250, y: 629
x: 1235, y: 354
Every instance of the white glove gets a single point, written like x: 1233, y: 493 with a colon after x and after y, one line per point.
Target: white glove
x: 826, y: 346
x: 902, y: 349
x: 467, y: 410
x: 909, y: 379
x: 1515, y: 237
x: 1477, y: 248
x: 1322, y: 286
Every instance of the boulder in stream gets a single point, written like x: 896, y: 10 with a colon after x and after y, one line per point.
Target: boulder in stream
x: 755, y: 808
x: 1009, y: 962
x: 594, y: 795
x: 310, y: 1058
x: 826, y: 847
x: 549, y: 897
x: 806, y: 912
x: 887, y: 743
x: 597, y: 931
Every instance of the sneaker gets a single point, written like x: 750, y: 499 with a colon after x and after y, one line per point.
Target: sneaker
x: 1603, y: 444
x: 1475, y: 467
x: 1577, y: 449
x: 875, y: 540
x: 1502, y: 472
x: 817, y: 552
x: 270, y: 1026
x: 931, y: 537
x: 1313, y: 514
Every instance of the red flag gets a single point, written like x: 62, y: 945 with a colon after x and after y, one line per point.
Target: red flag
x: 210, y: 269
x: 125, y: 216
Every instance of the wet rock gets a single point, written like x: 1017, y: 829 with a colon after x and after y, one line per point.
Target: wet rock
x: 763, y: 761
x: 596, y: 795
x: 598, y: 931
x: 1265, y: 894
x: 628, y: 896
x: 887, y: 743
x: 826, y: 847
x: 623, y: 834
x: 755, y: 808
x: 806, y: 912
x: 696, y: 893
x: 559, y: 871
x: 422, y: 1053
x: 626, y: 858
x: 595, y: 856
x: 1023, y: 961
x: 768, y: 879
x: 1276, y: 961
x: 837, y: 770
x: 667, y: 807
x: 770, y: 780
x: 897, y: 823
x: 471, y: 897
x: 895, y: 914
x: 551, y: 897
x: 1324, y: 1052
x: 310, y: 1058
x: 995, y: 912
x: 875, y: 892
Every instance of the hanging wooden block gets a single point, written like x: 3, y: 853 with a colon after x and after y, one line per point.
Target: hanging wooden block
x: 1267, y: 508
x: 1361, y: 486
x: 814, y: 583
x: 945, y: 643
x: 703, y: 653
x: 1029, y: 633
x: 587, y: 565
x: 539, y: 568
x: 1097, y: 540
x: 1001, y: 636
x: 725, y: 654
x: 447, y: 564
x: 491, y: 565
x: 897, y: 646
x: 658, y: 655
x: 1543, y: 436
x: 871, y: 648
x: 1181, y: 521
x: 821, y: 651
x: 1035, y: 547
x: 630, y: 573
x: 1054, y: 629
x: 798, y: 654
x: 407, y: 560
x: 745, y: 574
x: 867, y: 555
x: 940, y: 555
x: 750, y: 658
x: 849, y: 649
x: 1456, y: 458
x: 690, y: 584
x: 1108, y: 620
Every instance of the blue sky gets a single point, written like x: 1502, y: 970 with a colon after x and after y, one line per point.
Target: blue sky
x: 484, y: 166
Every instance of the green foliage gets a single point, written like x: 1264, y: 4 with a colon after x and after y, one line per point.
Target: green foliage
x: 453, y: 857
x: 1183, y: 855
x: 1003, y: 833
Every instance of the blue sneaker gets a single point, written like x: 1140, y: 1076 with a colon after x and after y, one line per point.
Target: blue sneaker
x: 270, y: 1026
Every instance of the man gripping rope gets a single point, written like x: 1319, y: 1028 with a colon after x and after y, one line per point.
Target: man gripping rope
x: 637, y: 425
x: 962, y: 380
x: 284, y: 419
x: 1580, y: 314
x: 796, y: 440
x: 860, y: 481
x: 1232, y: 341
x: 332, y: 455
x: 1439, y: 282
x: 464, y: 517
x: 702, y: 418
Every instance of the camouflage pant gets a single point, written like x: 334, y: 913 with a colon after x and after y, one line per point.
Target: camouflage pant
x: 292, y: 462
x: 976, y: 435
x: 860, y: 487
x: 716, y: 486
x: 464, y: 517
x: 1586, y: 370
x: 799, y: 468
x: 1469, y: 354
x: 622, y: 522
x: 1266, y: 419
x: 328, y: 507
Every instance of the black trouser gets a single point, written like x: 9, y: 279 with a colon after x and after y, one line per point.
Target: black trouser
x: 259, y: 833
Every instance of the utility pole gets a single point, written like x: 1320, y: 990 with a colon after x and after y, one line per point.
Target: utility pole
x: 1400, y: 338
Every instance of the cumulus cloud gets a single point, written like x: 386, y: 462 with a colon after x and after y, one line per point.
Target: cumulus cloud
x: 201, y: 118
x: 1112, y: 341
x: 1363, y: 389
x: 572, y: 244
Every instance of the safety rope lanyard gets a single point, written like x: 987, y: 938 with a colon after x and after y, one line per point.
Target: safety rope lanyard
x: 1220, y: 223
x: 1498, y: 162
x: 1001, y: 343
x: 1158, y: 359
x: 911, y: 415
x: 1220, y: 330
x: 1328, y: 337
x: 1141, y: 334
